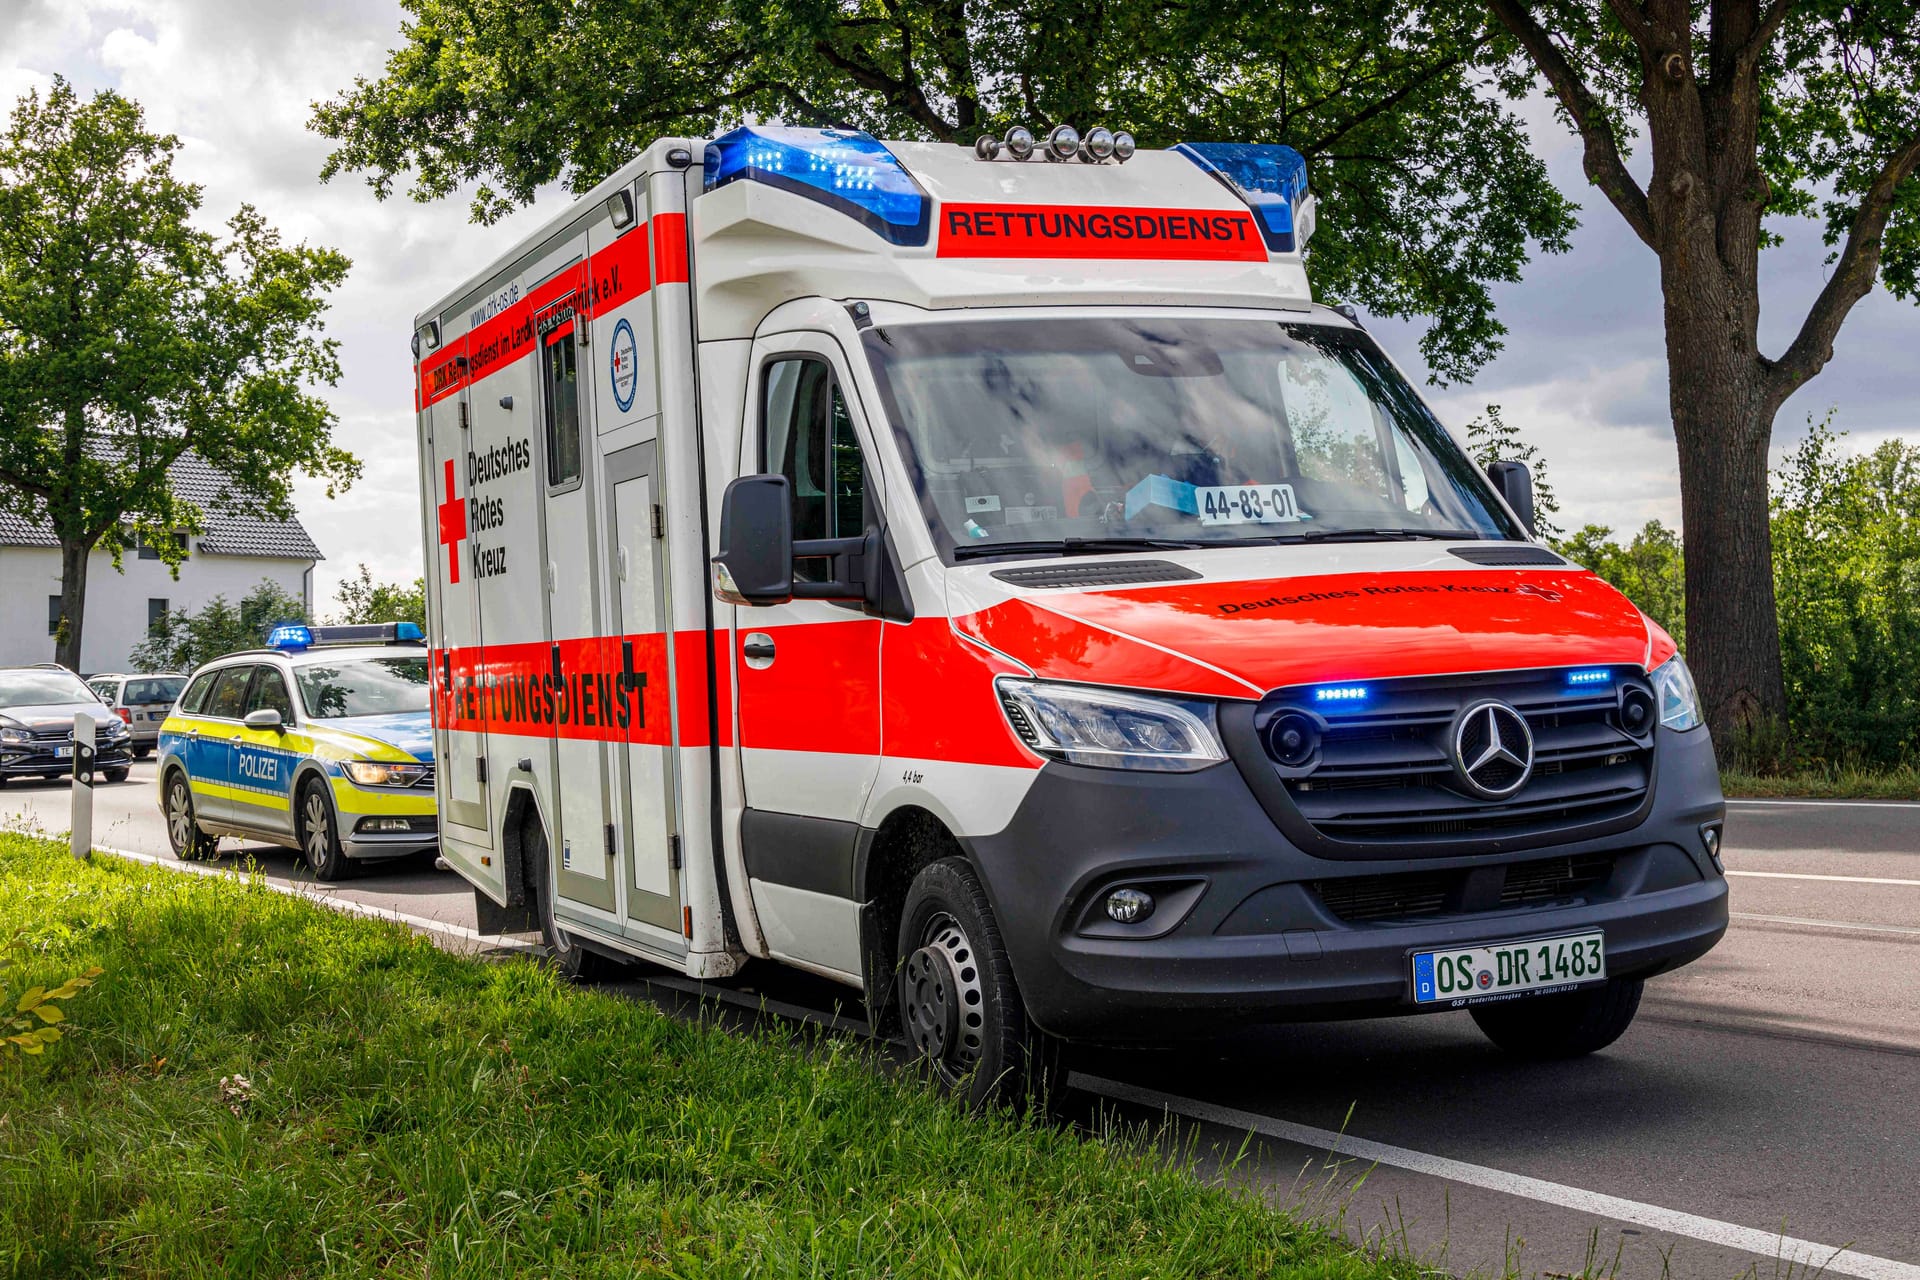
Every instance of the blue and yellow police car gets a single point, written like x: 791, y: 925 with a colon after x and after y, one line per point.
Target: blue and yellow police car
x: 323, y: 740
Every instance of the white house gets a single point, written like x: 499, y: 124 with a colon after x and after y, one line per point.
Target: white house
x: 229, y: 559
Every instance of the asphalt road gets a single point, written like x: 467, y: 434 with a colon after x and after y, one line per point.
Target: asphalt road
x: 1772, y: 1088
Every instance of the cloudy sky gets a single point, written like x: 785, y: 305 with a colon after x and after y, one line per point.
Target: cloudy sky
x: 1582, y: 373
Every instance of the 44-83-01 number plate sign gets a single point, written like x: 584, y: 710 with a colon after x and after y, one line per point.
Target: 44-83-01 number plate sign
x: 1466, y: 975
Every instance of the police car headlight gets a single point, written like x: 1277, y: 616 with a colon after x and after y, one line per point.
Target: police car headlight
x: 378, y: 773
x: 1679, y: 700
x: 1110, y: 729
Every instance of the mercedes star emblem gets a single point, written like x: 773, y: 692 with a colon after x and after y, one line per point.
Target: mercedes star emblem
x: 1492, y: 750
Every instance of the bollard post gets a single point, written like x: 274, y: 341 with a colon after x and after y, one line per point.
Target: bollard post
x: 84, y: 729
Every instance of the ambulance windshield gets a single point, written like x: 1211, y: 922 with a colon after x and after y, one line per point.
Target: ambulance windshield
x: 1177, y: 429
x: 363, y: 686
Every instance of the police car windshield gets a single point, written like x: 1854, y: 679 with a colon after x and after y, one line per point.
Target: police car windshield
x: 363, y: 686
x: 1196, y: 431
x: 41, y: 688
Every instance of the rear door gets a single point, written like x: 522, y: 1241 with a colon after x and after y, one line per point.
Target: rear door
x: 210, y: 744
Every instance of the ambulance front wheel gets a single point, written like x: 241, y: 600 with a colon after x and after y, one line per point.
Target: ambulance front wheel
x: 959, y: 1006
x: 571, y: 958
x: 319, y: 835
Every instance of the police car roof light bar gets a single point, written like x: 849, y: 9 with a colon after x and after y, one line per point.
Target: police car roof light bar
x: 1272, y: 179
x: 841, y: 168
x: 295, y: 636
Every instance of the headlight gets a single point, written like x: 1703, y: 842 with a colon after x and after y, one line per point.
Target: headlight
x: 12, y: 734
x: 377, y: 773
x: 116, y: 727
x: 1110, y: 729
x: 1679, y: 700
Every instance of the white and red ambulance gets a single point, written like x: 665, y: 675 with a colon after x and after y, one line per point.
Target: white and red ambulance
x: 985, y: 577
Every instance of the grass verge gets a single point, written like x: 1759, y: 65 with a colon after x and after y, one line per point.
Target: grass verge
x: 1826, y: 784
x: 405, y: 1112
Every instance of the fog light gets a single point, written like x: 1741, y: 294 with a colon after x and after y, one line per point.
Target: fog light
x: 385, y: 824
x: 1710, y: 840
x: 1129, y: 906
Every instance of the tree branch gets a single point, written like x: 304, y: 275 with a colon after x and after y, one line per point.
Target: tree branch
x: 1764, y: 33
x: 1634, y: 18
x: 1604, y: 167
x: 1389, y: 102
x: 1852, y: 278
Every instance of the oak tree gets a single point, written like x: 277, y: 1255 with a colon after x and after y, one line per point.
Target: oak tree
x: 129, y: 335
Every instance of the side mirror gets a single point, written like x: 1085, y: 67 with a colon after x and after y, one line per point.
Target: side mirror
x: 1515, y: 484
x: 265, y: 718
x: 755, y: 564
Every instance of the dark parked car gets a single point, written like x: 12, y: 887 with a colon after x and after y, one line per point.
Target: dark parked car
x: 143, y: 701
x: 37, y: 706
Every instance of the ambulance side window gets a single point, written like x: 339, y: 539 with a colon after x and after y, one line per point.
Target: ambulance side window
x: 808, y: 437
x: 558, y: 376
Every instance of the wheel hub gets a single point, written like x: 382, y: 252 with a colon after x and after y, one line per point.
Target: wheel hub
x: 943, y: 1002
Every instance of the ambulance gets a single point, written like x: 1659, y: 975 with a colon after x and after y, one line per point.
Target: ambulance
x: 986, y: 578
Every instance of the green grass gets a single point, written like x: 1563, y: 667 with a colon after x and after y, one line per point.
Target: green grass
x: 415, y: 1113
x: 1833, y: 783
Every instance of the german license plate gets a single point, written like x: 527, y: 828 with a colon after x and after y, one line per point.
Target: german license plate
x: 1465, y: 975
x: 62, y: 753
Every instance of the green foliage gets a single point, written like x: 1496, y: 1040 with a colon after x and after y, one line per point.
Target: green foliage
x: 1491, y: 438
x: 1428, y: 189
x: 270, y: 1089
x: 182, y: 640
x: 34, y: 1022
x: 130, y: 335
x: 1651, y: 570
x: 361, y: 599
x: 1846, y: 566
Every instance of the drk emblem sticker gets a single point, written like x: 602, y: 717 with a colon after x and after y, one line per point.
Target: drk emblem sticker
x: 624, y: 361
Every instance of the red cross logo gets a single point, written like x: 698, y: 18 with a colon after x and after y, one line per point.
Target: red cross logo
x: 453, y: 526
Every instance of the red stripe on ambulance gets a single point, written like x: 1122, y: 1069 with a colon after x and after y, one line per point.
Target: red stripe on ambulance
x: 1077, y: 231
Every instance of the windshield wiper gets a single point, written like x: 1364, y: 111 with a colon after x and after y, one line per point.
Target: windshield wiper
x: 1380, y: 535
x: 1075, y: 547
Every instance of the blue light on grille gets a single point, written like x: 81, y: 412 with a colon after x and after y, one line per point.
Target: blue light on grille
x: 289, y: 636
x: 1341, y: 693
x: 1272, y: 180
x: 1589, y: 679
x: 842, y: 169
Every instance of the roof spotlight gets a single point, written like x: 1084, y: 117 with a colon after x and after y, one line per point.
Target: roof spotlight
x: 1098, y: 144
x: 1019, y: 142
x: 1123, y: 146
x: 986, y: 146
x: 1063, y: 142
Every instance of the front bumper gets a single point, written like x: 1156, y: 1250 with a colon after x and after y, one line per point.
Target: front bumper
x: 1244, y: 930
x: 370, y: 821
x: 34, y: 758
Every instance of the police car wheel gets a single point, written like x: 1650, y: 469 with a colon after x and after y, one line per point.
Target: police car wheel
x: 959, y: 1007
x: 319, y: 838
x: 190, y: 844
x: 1561, y: 1026
x: 569, y: 956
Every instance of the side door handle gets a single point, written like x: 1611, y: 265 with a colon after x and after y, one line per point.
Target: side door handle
x: 758, y: 650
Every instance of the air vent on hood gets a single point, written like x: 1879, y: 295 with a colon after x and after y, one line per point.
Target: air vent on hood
x: 1119, y: 573
x: 1519, y: 553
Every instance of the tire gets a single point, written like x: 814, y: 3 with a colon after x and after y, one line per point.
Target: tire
x: 140, y: 753
x: 570, y: 957
x: 190, y: 843
x: 319, y: 834
x: 959, y: 1006
x: 115, y: 775
x: 1563, y: 1026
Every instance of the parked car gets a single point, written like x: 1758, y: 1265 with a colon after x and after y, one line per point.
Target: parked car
x: 322, y: 739
x: 37, y: 706
x: 143, y: 701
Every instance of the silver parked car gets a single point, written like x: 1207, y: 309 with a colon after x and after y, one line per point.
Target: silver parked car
x: 142, y: 701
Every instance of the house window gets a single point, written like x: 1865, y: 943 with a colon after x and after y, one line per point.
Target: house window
x: 147, y: 550
x: 53, y: 615
x: 156, y: 613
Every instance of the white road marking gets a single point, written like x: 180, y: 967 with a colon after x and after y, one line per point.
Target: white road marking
x: 1836, y: 804
x: 1824, y: 924
x: 1783, y: 1248
x: 1808, y: 875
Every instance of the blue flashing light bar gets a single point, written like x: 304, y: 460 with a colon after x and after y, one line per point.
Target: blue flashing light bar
x: 843, y: 169
x: 1590, y: 679
x: 1340, y: 693
x: 295, y: 636
x: 1272, y: 179
x: 290, y: 636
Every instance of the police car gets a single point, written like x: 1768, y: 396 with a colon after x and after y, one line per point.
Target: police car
x: 321, y: 740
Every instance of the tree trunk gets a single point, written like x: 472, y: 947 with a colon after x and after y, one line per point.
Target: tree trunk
x: 1723, y: 423
x: 73, y: 601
